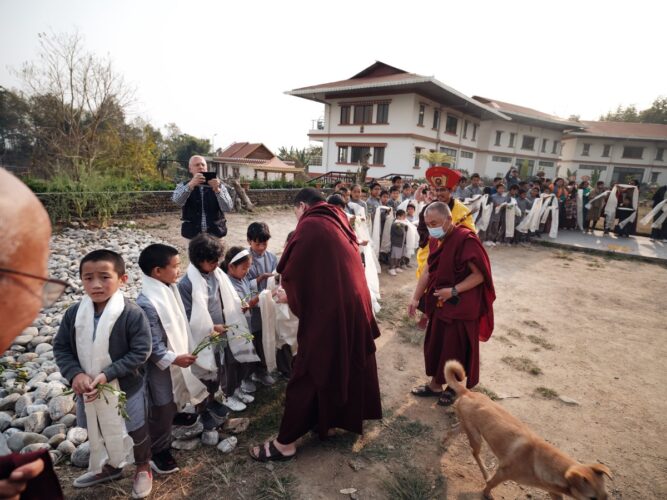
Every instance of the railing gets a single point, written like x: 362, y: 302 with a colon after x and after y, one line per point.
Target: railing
x: 405, y: 177
x: 334, y: 177
x: 315, y: 161
x: 317, y: 124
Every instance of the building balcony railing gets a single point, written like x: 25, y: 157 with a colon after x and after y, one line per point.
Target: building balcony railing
x: 316, y: 161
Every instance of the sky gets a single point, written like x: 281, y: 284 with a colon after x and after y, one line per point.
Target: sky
x: 219, y: 69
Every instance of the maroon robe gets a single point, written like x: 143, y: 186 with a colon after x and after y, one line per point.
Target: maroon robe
x: 334, y: 382
x: 454, y: 331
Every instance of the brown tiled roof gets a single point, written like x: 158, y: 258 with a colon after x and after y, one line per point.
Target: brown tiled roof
x: 238, y: 153
x: 514, y: 109
x: 624, y: 130
x: 363, y: 80
x: 239, y: 150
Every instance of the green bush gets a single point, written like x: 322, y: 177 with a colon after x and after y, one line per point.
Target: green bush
x: 96, y: 183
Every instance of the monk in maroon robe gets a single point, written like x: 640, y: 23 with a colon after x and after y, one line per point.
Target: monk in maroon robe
x: 458, y: 297
x: 334, y: 382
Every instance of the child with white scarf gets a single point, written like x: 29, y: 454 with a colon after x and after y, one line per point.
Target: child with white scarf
x: 102, y: 345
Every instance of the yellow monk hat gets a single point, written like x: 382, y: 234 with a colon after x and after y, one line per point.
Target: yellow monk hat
x: 442, y: 177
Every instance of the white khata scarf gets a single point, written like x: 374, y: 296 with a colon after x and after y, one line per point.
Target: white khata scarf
x: 580, y: 209
x: 532, y: 221
x: 486, y: 210
x: 601, y: 195
x: 612, y: 204
x: 109, y: 441
x: 385, y: 244
x: 550, y: 205
x: 511, y: 211
x: 411, y: 238
x: 658, y: 221
x: 167, y: 302
x: 372, y: 268
x: 279, y: 325
x: 201, y: 323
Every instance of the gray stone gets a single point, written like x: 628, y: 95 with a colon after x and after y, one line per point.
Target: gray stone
x: 44, y: 357
x: 5, y: 420
x: 27, y: 357
x: 54, y: 429
x: 40, y: 377
x: 568, y: 401
x: 55, y: 377
x: 34, y: 408
x: 23, y: 340
x: 35, y: 447
x: 55, y: 441
x: 56, y: 389
x: 68, y: 420
x: 41, y: 391
x: 31, y: 331
x: 49, y: 367
x: 77, y: 435
x: 47, y: 330
x: 4, y: 449
x: 180, y: 432
x: 8, y: 402
x: 37, y: 422
x: 66, y: 448
x: 56, y: 456
x: 22, y: 439
x: 10, y: 432
x: 43, y: 348
x: 21, y: 406
x: 60, y: 406
x: 81, y: 456
x: 189, y: 444
x: 40, y: 339
x: 19, y: 423
x: 210, y: 438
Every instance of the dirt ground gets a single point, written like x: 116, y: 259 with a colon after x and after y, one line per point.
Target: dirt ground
x: 591, y: 328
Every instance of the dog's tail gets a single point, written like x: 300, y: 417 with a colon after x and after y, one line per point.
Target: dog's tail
x: 455, y: 376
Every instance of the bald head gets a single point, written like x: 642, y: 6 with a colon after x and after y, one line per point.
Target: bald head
x: 24, y: 247
x: 438, y: 209
x: 436, y: 215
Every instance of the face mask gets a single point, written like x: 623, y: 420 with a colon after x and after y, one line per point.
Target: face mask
x: 436, y: 232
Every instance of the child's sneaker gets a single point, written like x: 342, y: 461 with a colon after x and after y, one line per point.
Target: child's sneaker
x: 143, y: 484
x: 264, y: 379
x: 392, y: 272
x: 88, y: 479
x: 248, y: 386
x: 234, y: 404
x: 242, y: 396
x: 164, y: 463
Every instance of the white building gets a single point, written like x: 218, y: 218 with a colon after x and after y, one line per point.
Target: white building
x: 618, y: 151
x: 394, y: 115
x: 246, y: 161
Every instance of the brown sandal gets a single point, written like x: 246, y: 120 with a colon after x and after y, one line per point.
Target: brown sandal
x: 274, y: 453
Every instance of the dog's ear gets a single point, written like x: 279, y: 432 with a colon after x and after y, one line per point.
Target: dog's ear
x: 575, y: 478
x: 601, y: 469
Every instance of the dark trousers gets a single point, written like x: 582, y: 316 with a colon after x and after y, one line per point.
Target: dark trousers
x: 159, y: 424
x: 142, y: 445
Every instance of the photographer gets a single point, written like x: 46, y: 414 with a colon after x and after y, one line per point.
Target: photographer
x: 203, y: 200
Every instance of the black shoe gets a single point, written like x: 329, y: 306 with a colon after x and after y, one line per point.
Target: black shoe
x: 185, y: 419
x: 164, y: 463
x: 217, y: 410
x: 210, y: 422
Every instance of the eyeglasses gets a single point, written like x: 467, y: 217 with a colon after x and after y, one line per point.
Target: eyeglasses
x: 52, y: 289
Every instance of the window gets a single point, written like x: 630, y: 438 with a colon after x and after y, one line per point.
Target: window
x: 606, y: 150
x: 436, y: 118
x: 654, y: 177
x: 449, y: 151
x: 382, y: 115
x: 512, y: 137
x: 420, y: 120
x: 586, y: 149
x: 465, y: 129
x: 659, y: 154
x: 466, y: 154
x: 501, y: 159
x: 417, y: 153
x: 358, y: 153
x: 633, y: 152
x: 342, y: 154
x: 499, y: 134
x: 543, y: 163
x: 452, y: 124
x: 363, y: 113
x: 554, y: 150
x: 378, y: 156
x: 474, y: 131
x: 599, y: 168
x: 528, y: 142
x: 544, y: 145
x: 344, y: 115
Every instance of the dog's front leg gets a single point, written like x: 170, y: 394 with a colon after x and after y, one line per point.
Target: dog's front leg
x: 502, y: 473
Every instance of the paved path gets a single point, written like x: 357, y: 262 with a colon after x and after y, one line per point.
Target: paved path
x: 637, y: 246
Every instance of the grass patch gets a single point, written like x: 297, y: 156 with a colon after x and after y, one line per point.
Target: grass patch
x: 534, y: 324
x: 595, y: 265
x: 412, y: 484
x: 513, y: 332
x: 487, y: 392
x: 274, y: 487
x: 523, y: 364
x: 563, y: 255
x: 546, y: 393
x: 542, y: 342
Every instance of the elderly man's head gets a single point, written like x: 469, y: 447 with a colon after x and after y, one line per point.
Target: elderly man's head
x: 24, y: 248
x: 197, y: 165
x: 438, y: 219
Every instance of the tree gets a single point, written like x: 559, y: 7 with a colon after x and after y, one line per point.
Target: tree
x: 622, y: 114
x: 657, y: 113
x: 573, y: 118
x: 15, y: 138
x: 76, y: 101
x: 302, y: 158
x: 181, y: 147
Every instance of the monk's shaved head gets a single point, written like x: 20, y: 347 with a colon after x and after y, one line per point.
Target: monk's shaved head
x: 24, y: 247
x: 438, y: 208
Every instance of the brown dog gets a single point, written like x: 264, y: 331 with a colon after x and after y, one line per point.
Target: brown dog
x: 522, y: 455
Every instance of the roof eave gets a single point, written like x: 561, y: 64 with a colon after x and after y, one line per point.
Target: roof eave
x: 614, y: 136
